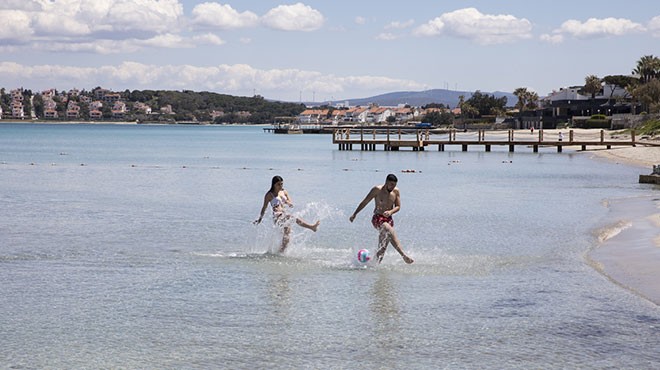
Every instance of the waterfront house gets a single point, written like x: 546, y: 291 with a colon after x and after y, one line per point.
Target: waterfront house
x: 119, y: 110
x: 356, y: 114
x: 166, y: 109
x: 50, y: 93
x: 95, y: 105
x: 377, y: 114
x: 72, y: 110
x: 111, y: 98
x: 403, y: 114
x: 100, y: 93
x: 569, y: 103
x: 17, y: 109
x: 337, y: 116
x: 142, y: 108
x: 95, y: 114
x: 312, y: 116
x: 50, y: 106
x: 50, y: 113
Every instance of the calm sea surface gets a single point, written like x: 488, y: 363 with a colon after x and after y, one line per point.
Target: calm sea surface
x: 133, y: 247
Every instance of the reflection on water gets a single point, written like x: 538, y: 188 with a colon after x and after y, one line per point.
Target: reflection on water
x: 279, y: 290
x: 386, y: 315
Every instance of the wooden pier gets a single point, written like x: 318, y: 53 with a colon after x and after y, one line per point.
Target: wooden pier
x: 393, y: 139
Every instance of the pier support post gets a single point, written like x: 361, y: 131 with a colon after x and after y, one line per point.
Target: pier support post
x: 487, y: 147
x: 512, y: 148
x: 559, y: 148
x: 535, y: 148
x: 441, y: 147
x: 465, y: 147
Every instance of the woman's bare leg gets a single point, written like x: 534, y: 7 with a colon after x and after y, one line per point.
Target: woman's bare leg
x: 304, y: 224
x: 285, y: 238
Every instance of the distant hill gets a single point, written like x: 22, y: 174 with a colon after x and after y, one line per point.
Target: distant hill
x: 420, y: 98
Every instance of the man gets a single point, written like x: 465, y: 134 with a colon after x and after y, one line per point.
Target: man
x: 388, y: 202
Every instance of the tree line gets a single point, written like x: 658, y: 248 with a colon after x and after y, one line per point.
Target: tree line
x: 186, y: 105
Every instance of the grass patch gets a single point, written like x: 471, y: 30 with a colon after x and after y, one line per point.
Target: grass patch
x: 650, y: 128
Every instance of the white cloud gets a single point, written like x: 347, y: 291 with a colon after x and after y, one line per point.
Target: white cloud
x: 16, y: 26
x: 471, y: 24
x: 125, y: 26
x: 654, y: 26
x: 386, y: 36
x: 593, y: 27
x: 58, y: 19
x: 105, y: 46
x: 360, y: 20
x: 138, y: 15
x: 222, y: 16
x: 552, y: 39
x: 237, y: 79
x: 58, y: 24
x: 400, y: 25
x: 297, y: 17
x: 208, y: 39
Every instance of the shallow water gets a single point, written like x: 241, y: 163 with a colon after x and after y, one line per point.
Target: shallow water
x: 133, y: 247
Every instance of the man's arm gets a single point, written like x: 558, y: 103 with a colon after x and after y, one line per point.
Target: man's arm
x: 365, y: 201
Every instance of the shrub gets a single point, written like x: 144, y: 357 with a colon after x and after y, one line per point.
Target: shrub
x: 597, y: 123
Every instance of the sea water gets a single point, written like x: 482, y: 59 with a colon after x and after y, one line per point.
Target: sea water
x: 131, y: 246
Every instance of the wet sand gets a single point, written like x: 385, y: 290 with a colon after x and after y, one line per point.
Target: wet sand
x: 629, y: 254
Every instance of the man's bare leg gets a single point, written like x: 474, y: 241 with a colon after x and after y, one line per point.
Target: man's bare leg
x: 394, y: 239
x: 382, y: 244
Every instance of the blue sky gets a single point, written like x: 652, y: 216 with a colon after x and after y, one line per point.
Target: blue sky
x: 321, y: 50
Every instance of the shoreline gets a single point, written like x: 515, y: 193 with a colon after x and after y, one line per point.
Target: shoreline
x: 628, y: 249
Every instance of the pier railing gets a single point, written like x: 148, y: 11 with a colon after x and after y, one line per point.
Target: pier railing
x: 419, y: 139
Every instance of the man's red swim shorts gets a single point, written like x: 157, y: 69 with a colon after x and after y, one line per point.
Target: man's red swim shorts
x: 379, y: 220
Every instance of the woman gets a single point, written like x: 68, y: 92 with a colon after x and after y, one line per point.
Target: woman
x: 277, y: 197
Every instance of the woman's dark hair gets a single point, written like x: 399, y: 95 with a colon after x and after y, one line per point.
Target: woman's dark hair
x: 274, y: 181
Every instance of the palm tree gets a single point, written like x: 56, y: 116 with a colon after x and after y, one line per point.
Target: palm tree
x: 592, y: 85
x: 532, y: 100
x: 648, y: 68
x: 521, y: 93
